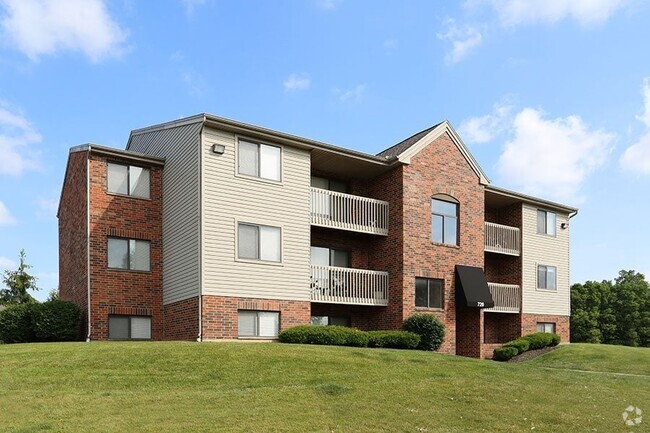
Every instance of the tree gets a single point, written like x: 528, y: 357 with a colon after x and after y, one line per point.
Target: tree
x: 18, y: 283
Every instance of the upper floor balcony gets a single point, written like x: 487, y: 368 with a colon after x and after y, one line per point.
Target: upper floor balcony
x: 348, y: 212
x: 502, y: 239
x: 506, y: 297
x: 338, y: 285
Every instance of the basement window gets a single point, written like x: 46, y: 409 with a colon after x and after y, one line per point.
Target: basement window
x: 262, y: 324
x: 129, y: 327
x: 546, y: 327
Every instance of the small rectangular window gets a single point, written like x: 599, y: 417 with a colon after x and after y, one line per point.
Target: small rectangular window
x: 546, y: 222
x: 258, y: 323
x: 546, y: 277
x: 429, y: 292
x: 129, y: 254
x: 546, y: 327
x: 129, y: 180
x: 129, y: 327
x: 258, y: 242
x: 259, y: 160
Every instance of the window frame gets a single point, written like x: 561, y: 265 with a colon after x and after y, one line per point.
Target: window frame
x: 259, y: 244
x: 429, y: 281
x: 128, y: 255
x: 328, y: 318
x: 544, y: 325
x: 258, y: 176
x: 445, y: 217
x: 130, y: 317
x: 545, y: 229
x: 330, y: 255
x: 128, y: 180
x: 256, y: 325
x: 537, y: 279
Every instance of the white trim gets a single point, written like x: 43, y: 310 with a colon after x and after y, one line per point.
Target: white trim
x: 258, y: 224
x: 258, y: 178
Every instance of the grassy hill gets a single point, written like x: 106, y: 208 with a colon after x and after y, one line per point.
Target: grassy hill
x: 180, y: 387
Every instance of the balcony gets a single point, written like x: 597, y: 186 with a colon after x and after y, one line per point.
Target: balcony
x: 502, y: 239
x: 334, y: 285
x: 348, y: 212
x: 507, y: 298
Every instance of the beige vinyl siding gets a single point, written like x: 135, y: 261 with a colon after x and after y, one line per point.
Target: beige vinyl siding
x: 229, y: 198
x: 541, y: 249
x: 180, y: 146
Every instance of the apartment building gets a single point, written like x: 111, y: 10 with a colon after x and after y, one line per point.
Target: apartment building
x: 212, y: 229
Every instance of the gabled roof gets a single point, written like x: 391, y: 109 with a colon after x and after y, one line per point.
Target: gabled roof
x: 396, y: 150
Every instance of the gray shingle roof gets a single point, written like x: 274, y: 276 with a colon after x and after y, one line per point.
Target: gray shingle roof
x: 402, y: 146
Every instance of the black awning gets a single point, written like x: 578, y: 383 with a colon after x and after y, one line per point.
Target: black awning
x: 472, y: 288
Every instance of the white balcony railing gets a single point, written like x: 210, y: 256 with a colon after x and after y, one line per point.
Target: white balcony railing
x: 502, y: 239
x: 506, y: 297
x: 331, y: 284
x: 348, y: 212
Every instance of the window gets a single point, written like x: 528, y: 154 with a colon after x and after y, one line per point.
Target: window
x: 329, y: 184
x: 259, y: 160
x: 128, y: 180
x: 330, y: 320
x: 546, y: 276
x: 330, y: 257
x: 429, y: 292
x: 546, y: 327
x: 129, y: 254
x: 129, y: 328
x: 258, y: 323
x: 545, y: 222
x: 256, y: 242
x: 444, y: 222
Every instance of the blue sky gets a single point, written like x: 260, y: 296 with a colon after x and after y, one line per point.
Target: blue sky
x: 552, y: 97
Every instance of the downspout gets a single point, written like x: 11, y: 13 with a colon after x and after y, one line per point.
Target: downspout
x: 571, y: 215
x: 199, y: 338
x: 88, y: 238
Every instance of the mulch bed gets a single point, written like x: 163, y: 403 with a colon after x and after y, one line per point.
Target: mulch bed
x: 532, y: 354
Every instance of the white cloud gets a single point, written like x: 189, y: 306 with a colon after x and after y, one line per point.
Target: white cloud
x: 296, y: 82
x: 463, y: 39
x: 513, y: 13
x: 5, y: 215
x: 329, y: 4
x: 16, y: 136
x: 391, y: 44
x: 191, y: 6
x: 6, y: 264
x: 636, y: 158
x: 352, y: 95
x: 645, y: 116
x: 47, y: 207
x: 483, y: 129
x: 41, y: 27
x: 552, y: 157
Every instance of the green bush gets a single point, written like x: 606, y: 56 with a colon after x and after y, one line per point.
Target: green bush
x: 504, y: 353
x: 55, y: 321
x: 393, y: 339
x: 16, y: 324
x: 521, y: 344
x: 555, y: 339
x: 539, y: 340
x: 325, y: 335
x: 428, y: 327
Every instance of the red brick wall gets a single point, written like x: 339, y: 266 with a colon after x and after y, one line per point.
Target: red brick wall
x: 181, y: 320
x: 501, y: 327
x: 123, y: 291
x: 73, y: 237
x: 366, y: 318
x: 529, y: 324
x: 219, y: 320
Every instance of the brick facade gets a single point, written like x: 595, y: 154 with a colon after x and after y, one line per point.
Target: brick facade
x: 529, y: 324
x: 181, y: 320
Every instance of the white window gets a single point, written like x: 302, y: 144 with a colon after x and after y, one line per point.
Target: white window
x: 258, y: 323
x: 129, y: 327
x: 257, y: 242
x: 546, y: 222
x: 128, y: 180
x: 546, y: 327
x: 129, y: 254
x: 546, y: 277
x: 259, y: 160
x: 444, y: 222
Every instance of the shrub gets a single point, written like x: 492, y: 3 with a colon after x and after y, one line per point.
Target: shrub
x: 325, y: 335
x: 428, y: 327
x: 393, y: 339
x: 16, y: 324
x: 55, y: 321
x: 555, y: 339
x: 521, y: 344
x: 504, y: 353
x: 539, y: 340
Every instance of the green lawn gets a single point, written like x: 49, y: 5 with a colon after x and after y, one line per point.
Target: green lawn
x: 180, y: 387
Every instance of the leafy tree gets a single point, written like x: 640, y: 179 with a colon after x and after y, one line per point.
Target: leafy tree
x: 18, y: 283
